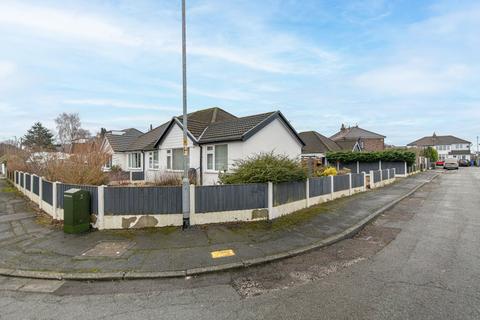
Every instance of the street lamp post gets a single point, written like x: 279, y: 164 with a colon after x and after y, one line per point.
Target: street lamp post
x: 185, y: 180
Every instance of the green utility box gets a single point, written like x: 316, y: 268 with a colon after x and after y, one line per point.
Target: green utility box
x: 76, y: 211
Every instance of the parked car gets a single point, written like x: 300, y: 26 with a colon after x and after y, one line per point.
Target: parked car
x: 463, y: 163
x: 451, y: 164
x: 440, y: 163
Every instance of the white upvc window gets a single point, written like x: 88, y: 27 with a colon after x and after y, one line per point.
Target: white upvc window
x: 175, y: 159
x: 135, y: 160
x: 153, y: 163
x: 217, y: 157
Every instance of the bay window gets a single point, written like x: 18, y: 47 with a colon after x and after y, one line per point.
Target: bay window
x: 135, y: 160
x: 217, y: 157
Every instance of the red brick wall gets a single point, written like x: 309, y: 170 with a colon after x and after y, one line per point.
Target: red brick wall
x: 373, y: 144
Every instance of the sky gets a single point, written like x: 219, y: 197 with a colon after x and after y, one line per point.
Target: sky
x: 402, y: 68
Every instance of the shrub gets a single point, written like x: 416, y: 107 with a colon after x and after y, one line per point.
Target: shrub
x: 389, y: 155
x: 431, y: 153
x: 265, y: 167
x: 326, y: 171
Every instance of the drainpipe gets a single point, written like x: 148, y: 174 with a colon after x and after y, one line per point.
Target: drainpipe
x: 201, y: 165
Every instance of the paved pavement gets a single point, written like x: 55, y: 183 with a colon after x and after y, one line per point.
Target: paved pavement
x: 29, y: 243
x: 425, y: 265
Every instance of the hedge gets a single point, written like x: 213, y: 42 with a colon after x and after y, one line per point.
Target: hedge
x: 389, y: 155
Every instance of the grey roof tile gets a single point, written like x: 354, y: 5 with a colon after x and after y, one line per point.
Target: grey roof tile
x: 317, y: 143
x: 437, y: 140
x: 120, y: 141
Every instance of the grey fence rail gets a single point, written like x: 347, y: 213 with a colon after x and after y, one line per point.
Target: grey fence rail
x: 377, y: 176
x: 231, y: 197
x: 28, y: 182
x: 47, y: 192
x: 289, y: 192
x: 36, y: 184
x: 341, y: 183
x: 62, y: 187
x: 320, y: 186
x: 373, y: 166
x: 357, y: 180
x: 143, y: 200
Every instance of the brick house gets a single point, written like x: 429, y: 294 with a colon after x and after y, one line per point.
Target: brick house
x: 350, y: 138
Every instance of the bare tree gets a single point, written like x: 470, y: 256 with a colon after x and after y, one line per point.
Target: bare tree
x: 69, y: 128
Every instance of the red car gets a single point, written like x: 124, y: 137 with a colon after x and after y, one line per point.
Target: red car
x: 440, y: 163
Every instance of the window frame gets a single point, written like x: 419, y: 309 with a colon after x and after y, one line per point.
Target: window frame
x: 211, y: 151
x: 170, y: 159
x: 152, y: 164
x: 140, y: 157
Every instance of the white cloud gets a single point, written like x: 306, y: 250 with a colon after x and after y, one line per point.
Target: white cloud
x: 118, y: 104
x: 413, y: 78
x: 77, y: 25
x: 7, y: 69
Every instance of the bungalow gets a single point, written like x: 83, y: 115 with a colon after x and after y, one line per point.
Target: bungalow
x: 216, y: 139
x: 316, y: 146
x: 116, y: 143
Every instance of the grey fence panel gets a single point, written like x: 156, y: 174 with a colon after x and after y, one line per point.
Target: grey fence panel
x: 351, y: 165
x: 341, y: 183
x: 61, y: 188
x: 143, y: 200
x: 286, y: 192
x: 16, y: 177
x: 392, y: 173
x: 320, y: 186
x: 357, y: 180
x: 28, y: 182
x: 399, y: 166
x: 231, y: 197
x: 36, y: 184
x: 369, y: 166
x: 21, y: 179
x: 376, y: 176
x: 138, y: 176
x: 384, y: 174
x: 47, y: 192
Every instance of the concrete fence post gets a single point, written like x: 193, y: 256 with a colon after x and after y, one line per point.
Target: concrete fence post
x: 131, y: 176
x: 307, y: 192
x: 388, y: 174
x: 192, y: 204
x: 381, y: 177
x: 332, y: 187
x: 358, y: 166
x: 40, y: 192
x: 380, y: 165
x: 405, y: 164
x: 54, y: 200
x: 270, y: 200
x: 364, y: 180
x: 350, y: 184
x: 24, y: 183
x: 31, y: 186
x: 372, y: 179
x: 394, y: 173
x: 101, y: 208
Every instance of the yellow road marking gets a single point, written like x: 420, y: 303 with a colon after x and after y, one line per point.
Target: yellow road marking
x: 222, y: 253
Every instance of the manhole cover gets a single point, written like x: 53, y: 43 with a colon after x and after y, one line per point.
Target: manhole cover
x: 112, y: 249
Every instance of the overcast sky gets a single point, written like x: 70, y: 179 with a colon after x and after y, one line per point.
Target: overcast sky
x: 400, y: 68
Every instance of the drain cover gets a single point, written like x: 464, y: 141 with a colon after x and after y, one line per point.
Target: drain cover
x: 112, y: 249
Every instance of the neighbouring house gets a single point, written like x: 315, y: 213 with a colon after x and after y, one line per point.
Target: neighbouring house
x: 448, y: 147
x: 216, y: 139
x: 116, y: 143
x: 316, y: 147
x: 356, y: 138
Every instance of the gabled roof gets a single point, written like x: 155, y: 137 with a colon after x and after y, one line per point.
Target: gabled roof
x: 317, y: 143
x: 120, y: 140
x: 243, y: 128
x: 148, y: 140
x: 355, y: 133
x: 435, y: 140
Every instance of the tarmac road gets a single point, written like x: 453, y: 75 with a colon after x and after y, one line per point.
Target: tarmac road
x: 419, y: 260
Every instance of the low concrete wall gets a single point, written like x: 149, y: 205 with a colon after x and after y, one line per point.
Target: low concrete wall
x: 142, y: 221
x: 228, y: 216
